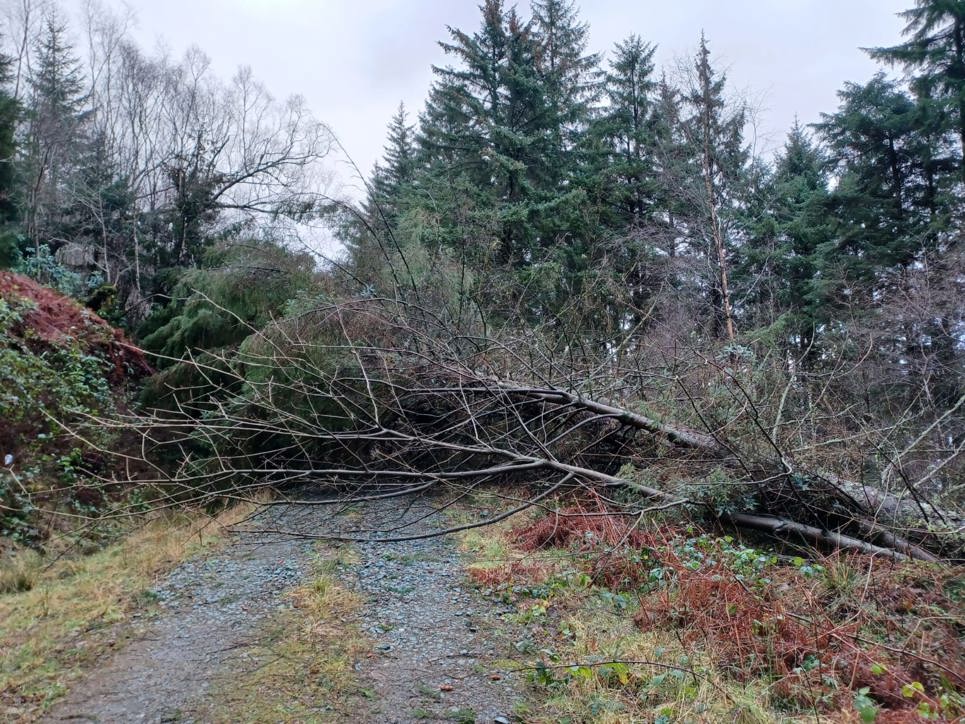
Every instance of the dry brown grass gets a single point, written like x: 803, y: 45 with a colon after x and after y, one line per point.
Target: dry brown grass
x: 569, y: 623
x: 722, y: 633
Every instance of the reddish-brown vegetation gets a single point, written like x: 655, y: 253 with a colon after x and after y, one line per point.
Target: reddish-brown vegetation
x: 855, y: 624
x: 581, y: 527
x: 50, y: 318
x: 513, y: 571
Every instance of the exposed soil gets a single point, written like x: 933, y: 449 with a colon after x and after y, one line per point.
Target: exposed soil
x: 435, y: 641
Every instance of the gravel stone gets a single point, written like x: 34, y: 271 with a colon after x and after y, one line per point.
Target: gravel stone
x: 428, y: 627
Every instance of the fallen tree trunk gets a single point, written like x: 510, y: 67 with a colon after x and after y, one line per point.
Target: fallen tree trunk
x: 781, y: 527
x: 678, y: 435
x: 880, y: 507
x: 386, y: 417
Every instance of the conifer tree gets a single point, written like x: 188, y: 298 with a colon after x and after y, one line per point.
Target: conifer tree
x: 886, y: 179
x: 570, y: 79
x: 714, y: 134
x: 503, y: 145
x: 9, y: 112
x: 370, y: 235
x: 628, y: 128
x: 790, y: 251
x: 56, y: 115
x: 394, y: 173
x: 935, y: 52
x: 464, y: 131
x: 486, y: 121
x: 671, y: 166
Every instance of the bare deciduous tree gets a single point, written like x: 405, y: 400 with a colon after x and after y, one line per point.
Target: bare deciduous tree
x: 383, y: 398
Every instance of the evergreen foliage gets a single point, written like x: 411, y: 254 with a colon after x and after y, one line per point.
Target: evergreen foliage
x: 596, y: 191
x: 55, y: 134
x: 9, y: 117
x: 936, y: 50
x: 627, y: 129
x: 240, y: 288
x: 502, y: 139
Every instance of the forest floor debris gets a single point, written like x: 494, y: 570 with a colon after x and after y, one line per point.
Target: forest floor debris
x: 620, y: 619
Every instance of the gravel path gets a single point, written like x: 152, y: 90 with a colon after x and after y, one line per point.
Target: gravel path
x: 435, y: 640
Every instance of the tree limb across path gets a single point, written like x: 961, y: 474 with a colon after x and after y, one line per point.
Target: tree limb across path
x: 376, y: 398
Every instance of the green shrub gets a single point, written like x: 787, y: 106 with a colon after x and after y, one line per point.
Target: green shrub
x: 42, y: 385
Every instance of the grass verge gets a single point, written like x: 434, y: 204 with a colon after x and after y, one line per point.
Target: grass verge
x: 57, y: 612
x: 618, y: 622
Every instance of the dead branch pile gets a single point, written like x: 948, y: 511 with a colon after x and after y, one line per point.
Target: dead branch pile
x: 376, y: 398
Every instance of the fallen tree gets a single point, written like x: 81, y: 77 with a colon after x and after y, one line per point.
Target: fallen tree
x: 375, y: 398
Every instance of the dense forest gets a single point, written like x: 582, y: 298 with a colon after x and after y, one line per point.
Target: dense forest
x: 571, y: 274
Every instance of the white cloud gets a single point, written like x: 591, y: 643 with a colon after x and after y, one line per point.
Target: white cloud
x: 355, y: 60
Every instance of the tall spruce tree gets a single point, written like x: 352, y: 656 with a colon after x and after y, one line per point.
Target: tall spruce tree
x: 623, y: 186
x: 671, y: 167
x: 395, y: 172
x: 503, y: 125
x: 373, y: 232
x: 471, y: 126
x: 790, y: 248
x: 9, y: 114
x: 627, y: 127
x: 886, y: 183
x: 56, y: 115
x: 896, y: 205
x: 935, y: 53
x: 714, y: 132
x: 569, y: 77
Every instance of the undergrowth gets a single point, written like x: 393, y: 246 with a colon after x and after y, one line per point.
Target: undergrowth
x: 620, y: 620
x: 59, y: 363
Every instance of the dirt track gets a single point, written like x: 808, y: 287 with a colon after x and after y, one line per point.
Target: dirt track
x: 434, y: 639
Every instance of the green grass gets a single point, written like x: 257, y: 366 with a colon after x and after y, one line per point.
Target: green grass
x: 56, y: 613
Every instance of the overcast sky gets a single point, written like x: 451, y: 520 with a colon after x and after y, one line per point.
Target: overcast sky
x: 354, y: 60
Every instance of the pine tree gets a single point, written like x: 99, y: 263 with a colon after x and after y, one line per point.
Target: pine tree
x: 936, y: 50
x: 628, y: 129
x: 714, y: 134
x: 569, y: 77
x: 791, y: 246
x: 390, y: 178
x: 9, y: 113
x: 887, y: 185
x: 56, y: 115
